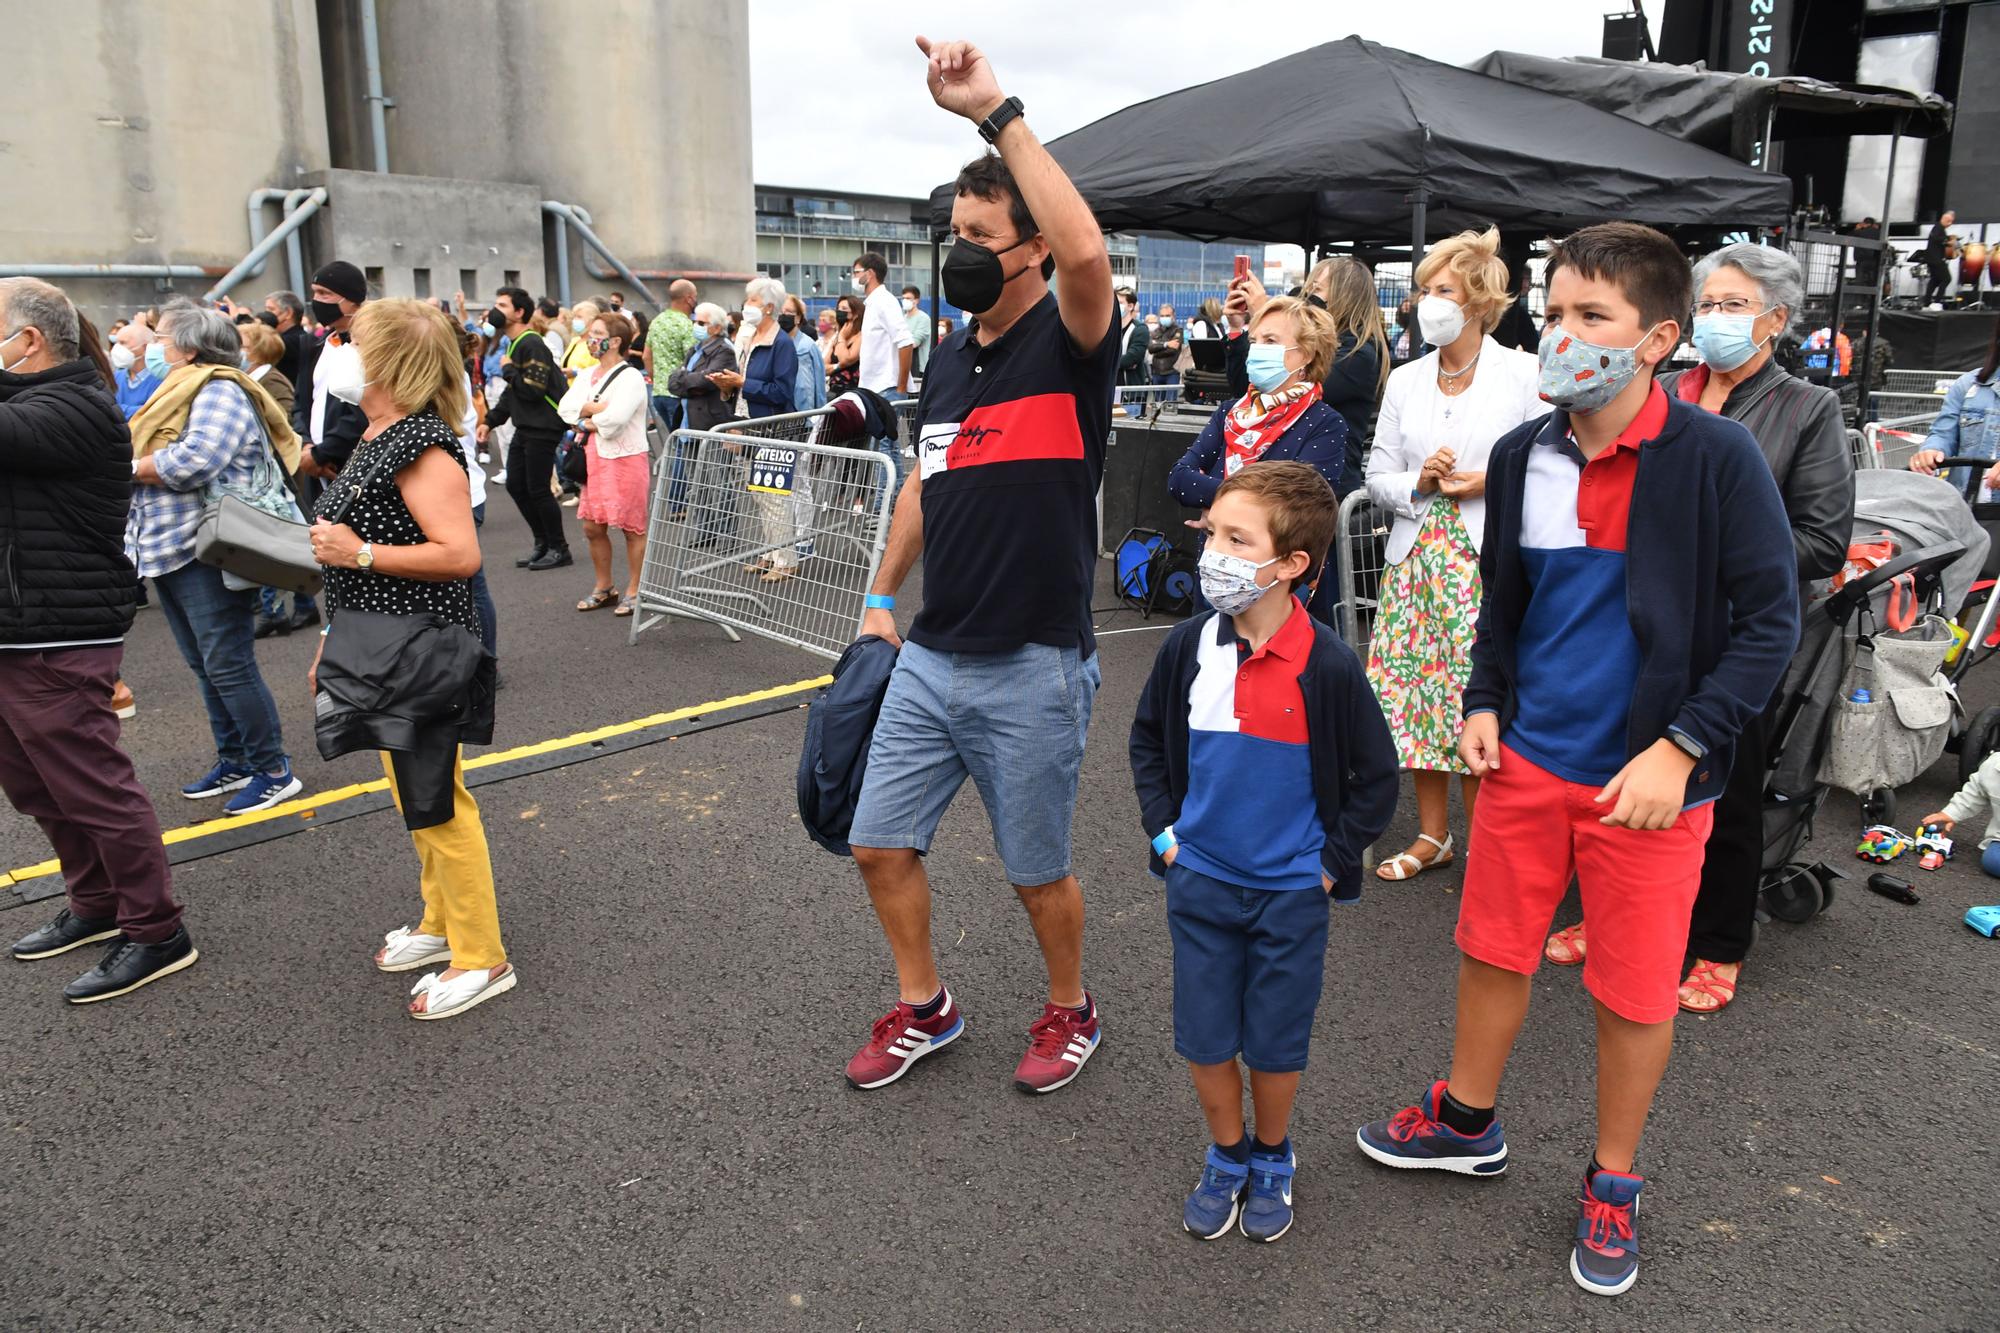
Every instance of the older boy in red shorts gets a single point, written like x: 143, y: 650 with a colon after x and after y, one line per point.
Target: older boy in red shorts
x: 1639, y: 607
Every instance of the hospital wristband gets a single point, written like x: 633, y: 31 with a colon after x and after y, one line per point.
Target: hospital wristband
x: 876, y: 601
x: 1165, y: 842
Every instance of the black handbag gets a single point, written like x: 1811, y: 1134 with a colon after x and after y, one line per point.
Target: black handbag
x: 575, y: 463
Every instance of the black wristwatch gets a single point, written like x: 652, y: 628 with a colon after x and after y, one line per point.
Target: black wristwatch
x: 1689, y: 746
x: 1003, y: 115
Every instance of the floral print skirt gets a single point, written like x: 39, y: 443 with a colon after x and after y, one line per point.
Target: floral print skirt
x: 1420, y: 656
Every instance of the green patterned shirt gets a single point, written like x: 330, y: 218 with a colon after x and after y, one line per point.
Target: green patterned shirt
x: 670, y: 339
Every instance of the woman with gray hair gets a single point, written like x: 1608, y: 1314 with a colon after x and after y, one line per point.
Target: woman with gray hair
x: 768, y: 383
x: 207, y: 429
x: 1748, y: 297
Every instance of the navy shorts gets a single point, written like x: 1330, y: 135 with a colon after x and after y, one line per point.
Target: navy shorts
x: 1248, y: 964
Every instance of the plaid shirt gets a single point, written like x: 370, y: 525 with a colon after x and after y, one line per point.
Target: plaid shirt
x: 221, y: 443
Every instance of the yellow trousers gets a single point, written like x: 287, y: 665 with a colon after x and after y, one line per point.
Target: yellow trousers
x: 457, y: 882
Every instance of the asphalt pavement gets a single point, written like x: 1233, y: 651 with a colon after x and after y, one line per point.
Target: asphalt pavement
x: 653, y: 1130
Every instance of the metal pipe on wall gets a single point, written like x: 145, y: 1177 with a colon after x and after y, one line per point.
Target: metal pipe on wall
x: 371, y: 59
x: 106, y: 271
x: 579, y: 219
x: 314, y: 201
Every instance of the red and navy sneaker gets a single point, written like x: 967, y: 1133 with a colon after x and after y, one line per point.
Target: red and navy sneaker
x: 1414, y: 1138
x: 899, y: 1039
x: 1605, y: 1259
x: 1058, y: 1044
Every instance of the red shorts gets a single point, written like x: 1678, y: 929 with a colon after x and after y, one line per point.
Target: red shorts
x: 1531, y: 831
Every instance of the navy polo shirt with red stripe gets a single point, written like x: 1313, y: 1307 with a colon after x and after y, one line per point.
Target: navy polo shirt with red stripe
x: 1578, y: 657
x: 1010, y: 447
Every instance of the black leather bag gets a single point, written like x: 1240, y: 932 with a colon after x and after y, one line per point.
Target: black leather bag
x: 575, y: 464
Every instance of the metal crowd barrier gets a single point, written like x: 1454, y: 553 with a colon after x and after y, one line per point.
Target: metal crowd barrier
x: 1361, y: 536
x: 762, y: 529
x: 1891, y: 443
x: 1861, y: 451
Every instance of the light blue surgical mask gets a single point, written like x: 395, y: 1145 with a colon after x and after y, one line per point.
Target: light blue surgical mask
x: 488, y: 330
x: 576, y: 325
x: 1724, y: 341
x: 156, y: 359
x: 1266, y: 366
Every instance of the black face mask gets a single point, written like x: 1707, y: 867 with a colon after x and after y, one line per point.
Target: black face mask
x: 326, y: 312
x: 787, y: 322
x: 1314, y: 299
x: 974, y: 277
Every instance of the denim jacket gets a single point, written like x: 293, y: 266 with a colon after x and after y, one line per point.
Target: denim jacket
x: 1969, y: 424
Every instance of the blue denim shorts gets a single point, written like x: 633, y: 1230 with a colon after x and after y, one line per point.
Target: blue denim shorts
x: 1013, y: 722
x: 1248, y: 965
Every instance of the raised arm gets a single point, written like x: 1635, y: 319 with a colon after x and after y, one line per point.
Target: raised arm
x: 962, y: 81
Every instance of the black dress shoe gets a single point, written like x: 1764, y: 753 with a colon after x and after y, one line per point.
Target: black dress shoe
x: 553, y: 558
x: 128, y: 965
x: 268, y: 625
x: 304, y: 617
x: 68, y: 931
x: 528, y: 561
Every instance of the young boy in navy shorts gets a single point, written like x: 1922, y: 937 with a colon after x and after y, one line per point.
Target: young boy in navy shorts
x: 1640, y: 604
x: 1264, y: 769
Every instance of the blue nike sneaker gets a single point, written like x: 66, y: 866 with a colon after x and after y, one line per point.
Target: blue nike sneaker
x: 1211, y: 1210
x: 1414, y: 1138
x: 1605, y: 1259
x: 1267, y: 1211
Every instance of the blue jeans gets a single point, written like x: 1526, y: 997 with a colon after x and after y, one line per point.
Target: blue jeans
x: 1171, y: 377
x: 271, y: 602
x: 1013, y: 722
x: 892, y: 445
x: 672, y: 412
x: 482, y: 598
x: 1989, y: 860
x: 213, y: 628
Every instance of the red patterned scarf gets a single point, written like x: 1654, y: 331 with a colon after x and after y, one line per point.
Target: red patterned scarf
x: 1260, y: 421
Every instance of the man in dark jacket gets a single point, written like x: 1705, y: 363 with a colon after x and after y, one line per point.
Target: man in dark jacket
x: 1132, y: 355
x: 534, y: 386
x: 1934, y: 259
x: 66, y: 600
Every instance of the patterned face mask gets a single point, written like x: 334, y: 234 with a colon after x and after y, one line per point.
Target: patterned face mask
x: 1229, y: 582
x: 1578, y: 376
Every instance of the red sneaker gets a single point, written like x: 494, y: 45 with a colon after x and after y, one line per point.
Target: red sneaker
x: 899, y: 1039
x: 1058, y: 1044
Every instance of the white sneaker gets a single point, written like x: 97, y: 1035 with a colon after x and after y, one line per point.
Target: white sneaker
x: 404, y: 950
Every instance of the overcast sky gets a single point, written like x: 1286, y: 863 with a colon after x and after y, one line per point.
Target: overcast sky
x: 869, y: 125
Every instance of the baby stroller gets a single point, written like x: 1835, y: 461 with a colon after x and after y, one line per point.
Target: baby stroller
x: 1865, y: 705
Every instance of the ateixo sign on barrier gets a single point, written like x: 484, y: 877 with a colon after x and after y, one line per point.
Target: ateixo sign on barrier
x: 759, y: 529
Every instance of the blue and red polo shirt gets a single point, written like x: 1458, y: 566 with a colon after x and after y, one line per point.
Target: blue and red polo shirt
x: 1010, y: 446
x: 1250, y: 816
x: 1578, y: 658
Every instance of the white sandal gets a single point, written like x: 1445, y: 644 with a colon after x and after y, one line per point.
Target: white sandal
x: 1392, y: 869
x: 404, y: 950
x: 462, y: 992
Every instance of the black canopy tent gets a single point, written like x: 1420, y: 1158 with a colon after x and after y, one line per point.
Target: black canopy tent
x: 1354, y: 141
x: 1737, y: 114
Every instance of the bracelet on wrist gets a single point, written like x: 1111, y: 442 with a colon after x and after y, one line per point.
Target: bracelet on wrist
x: 876, y: 601
x: 1165, y: 842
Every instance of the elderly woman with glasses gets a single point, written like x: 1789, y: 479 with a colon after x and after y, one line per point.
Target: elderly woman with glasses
x: 1748, y: 298
x: 209, y: 429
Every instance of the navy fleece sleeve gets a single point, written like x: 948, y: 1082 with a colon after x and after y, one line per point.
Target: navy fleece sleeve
x: 1147, y: 745
x: 1759, y: 572
x: 1370, y: 783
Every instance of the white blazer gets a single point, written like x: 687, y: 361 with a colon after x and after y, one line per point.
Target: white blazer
x: 1412, y: 426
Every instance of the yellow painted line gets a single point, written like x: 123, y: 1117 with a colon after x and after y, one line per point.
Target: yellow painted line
x: 306, y: 807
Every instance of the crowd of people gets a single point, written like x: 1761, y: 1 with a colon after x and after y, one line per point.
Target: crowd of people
x: 1594, y: 579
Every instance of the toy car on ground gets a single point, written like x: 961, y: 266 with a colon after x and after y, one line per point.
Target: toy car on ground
x: 1882, y: 844
x: 1934, y: 846
x: 1985, y: 920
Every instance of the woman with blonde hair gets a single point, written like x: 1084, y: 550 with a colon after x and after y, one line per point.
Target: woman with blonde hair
x: 396, y: 535
x: 1345, y: 289
x: 1440, y: 417
x: 1282, y: 417
x: 577, y: 356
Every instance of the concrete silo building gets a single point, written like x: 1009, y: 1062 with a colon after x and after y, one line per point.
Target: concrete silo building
x: 441, y: 145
